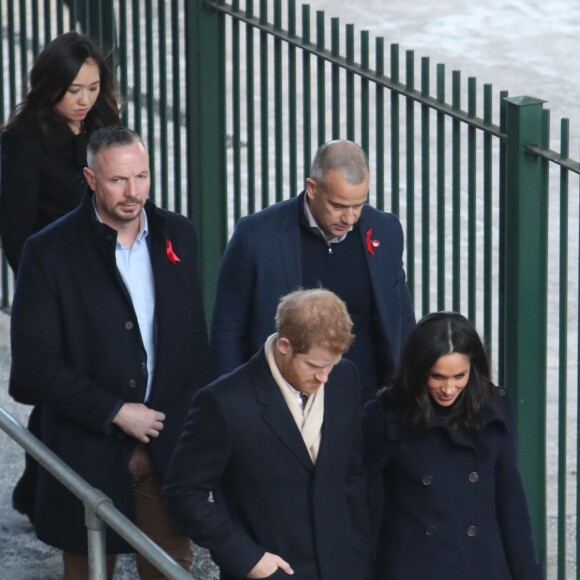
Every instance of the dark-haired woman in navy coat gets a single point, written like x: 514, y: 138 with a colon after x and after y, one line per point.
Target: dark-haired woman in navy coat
x: 442, y: 437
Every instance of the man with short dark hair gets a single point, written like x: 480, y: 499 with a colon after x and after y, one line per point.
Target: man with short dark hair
x: 108, y: 334
x: 278, y: 444
x: 328, y: 236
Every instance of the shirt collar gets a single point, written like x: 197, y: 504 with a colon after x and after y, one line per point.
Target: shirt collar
x: 143, y: 222
x: 314, y: 225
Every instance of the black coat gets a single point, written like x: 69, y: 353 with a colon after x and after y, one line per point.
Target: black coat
x: 77, y: 349
x: 453, y: 504
x: 41, y: 179
x: 242, y: 443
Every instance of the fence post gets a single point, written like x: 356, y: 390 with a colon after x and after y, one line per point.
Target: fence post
x: 206, y: 137
x: 524, y: 325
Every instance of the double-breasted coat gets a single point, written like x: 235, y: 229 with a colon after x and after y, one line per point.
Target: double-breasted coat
x: 77, y: 349
x: 263, y: 262
x: 242, y: 443
x: 454, y: 505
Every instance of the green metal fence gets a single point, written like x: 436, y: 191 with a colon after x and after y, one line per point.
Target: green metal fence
x: 234, y: 98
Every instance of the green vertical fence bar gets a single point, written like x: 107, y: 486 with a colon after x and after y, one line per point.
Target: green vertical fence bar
x: 456, y: 193
x: 206, y: 137
x: 60, y: 23
x: 320, y: 79
x: 123, y: 75
x: 236, y: 103
x: 163, y: 113
x: 379, y: 185
x: 562, y: 347
x: 335, y: 79
x: 306, y: 91
x: 137, y: 66
x: 364, y: 99
x: 525, y: 300
x: 176, y: 55
x: 35, y: 29
x: 292, y: 103
x: 150, y: 94
x: 487, y: 220
x: 425, y: 189
x: 441, y: 245
x: 278, y: 106
x: 395, y: 123
x: 410, y: 170
x: 251, y: 121
x: 264, y: 108
x: 502, y: 235
x: 350, y: 124
x: 23, y: 26
x: 471, y: 193
x: 380, y: 126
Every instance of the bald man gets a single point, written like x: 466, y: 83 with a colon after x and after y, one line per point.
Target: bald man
x: 330, y: 237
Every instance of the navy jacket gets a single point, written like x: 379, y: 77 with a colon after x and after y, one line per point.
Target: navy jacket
x: 262, y: 263
x: 453, y: 504
x: 77, y: 349
x: 241, y: 443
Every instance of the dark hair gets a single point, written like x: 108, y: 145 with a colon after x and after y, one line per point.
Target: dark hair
x: 436, y: 335
x: 111, y: 136
x: 53, y: 72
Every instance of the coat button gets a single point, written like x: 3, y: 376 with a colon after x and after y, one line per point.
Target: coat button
x: 132, y: 383
x: 427, y: 480
x: 128, y: 325
x: 474, y: 477
x: 430, y: 530
x: 471, y: 531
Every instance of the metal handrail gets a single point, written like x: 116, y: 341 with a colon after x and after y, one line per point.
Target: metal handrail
x: 99, y: 508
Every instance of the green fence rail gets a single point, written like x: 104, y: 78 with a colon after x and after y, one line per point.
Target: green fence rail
x: 233, y: 100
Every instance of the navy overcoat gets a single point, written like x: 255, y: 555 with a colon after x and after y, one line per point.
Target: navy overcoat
x: 262, y: 263
x: 77, y: 350
x: 242, y: 443
x: 453, y: 505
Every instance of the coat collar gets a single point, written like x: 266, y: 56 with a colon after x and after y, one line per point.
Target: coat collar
x: 275, y: 410
x: 492, y: 414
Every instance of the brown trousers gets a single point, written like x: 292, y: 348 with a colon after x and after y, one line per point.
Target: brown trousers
x: 151, y: 517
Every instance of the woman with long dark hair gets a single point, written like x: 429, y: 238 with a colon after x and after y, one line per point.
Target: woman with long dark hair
x: 441, y: 435
x: 43, y: 145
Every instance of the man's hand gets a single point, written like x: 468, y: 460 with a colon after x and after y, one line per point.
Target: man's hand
x: 267, y: 565
x: 139, y: 421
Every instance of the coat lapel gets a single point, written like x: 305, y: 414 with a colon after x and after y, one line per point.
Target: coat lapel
x: 276, y: 413
x: 289, y: 240
x: 378, y: 270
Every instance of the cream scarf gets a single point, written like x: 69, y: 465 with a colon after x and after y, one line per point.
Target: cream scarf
x: 309, y: 421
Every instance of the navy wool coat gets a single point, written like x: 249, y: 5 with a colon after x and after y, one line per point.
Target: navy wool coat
x: 263, y: 262
x: 77, y: 349
x: 241, y: 443
x: 453, y: 505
